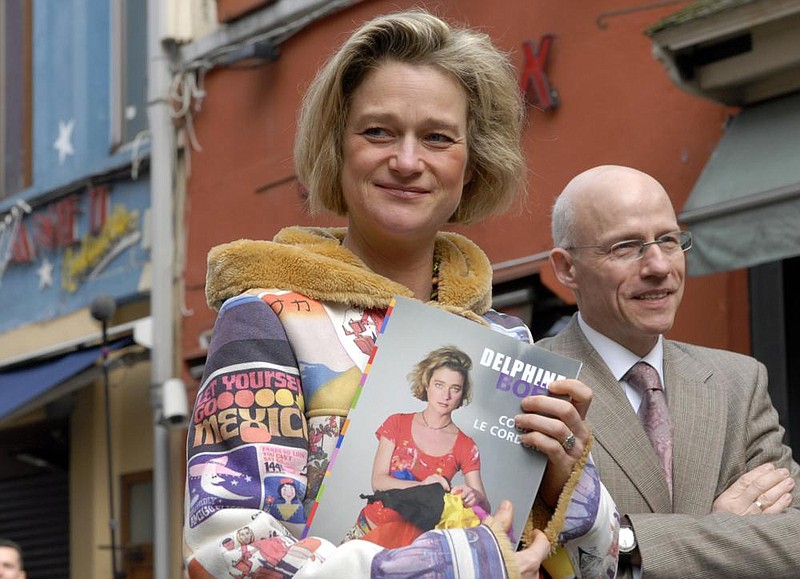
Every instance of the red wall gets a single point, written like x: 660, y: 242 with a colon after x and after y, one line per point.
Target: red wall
x: 617, y: 106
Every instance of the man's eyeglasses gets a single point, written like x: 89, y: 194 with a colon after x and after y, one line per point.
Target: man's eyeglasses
x: 633, y: 249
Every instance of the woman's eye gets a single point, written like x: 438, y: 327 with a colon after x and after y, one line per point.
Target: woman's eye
x: 439, y: 139
x: 375, y: 132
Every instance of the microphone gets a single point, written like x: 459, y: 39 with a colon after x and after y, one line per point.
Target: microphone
x: 103, y: 308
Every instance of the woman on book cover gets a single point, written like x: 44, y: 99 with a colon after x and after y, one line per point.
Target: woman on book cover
x: 411, y: 126
x: 426, y: 449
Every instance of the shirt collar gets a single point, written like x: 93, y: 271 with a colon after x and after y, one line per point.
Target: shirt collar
x: 617, y: 357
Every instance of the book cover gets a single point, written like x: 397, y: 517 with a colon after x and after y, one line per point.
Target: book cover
x: 501, y: 371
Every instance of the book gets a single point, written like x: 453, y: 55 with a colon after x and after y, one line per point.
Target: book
x: 504, y: 370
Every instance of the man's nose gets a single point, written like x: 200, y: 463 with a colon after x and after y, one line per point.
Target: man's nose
x: 654, y: 260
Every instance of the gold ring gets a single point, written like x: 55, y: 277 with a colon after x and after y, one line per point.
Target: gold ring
x: 569, y: 442
x: 760, y: 505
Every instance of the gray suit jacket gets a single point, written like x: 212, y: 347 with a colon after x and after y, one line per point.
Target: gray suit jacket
x: 725, y: 425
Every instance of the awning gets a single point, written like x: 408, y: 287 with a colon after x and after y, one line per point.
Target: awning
x: 34, y: 385
x: 744, y: 209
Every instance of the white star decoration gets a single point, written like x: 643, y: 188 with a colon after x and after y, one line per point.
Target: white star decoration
x: 45, y: 272
x: 63, y: 143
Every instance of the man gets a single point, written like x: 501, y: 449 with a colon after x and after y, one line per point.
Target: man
x: 720, y: 496
x: 10, y: 560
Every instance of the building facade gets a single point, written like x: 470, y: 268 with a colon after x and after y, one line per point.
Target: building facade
x: 78, y: 420
x: 745, y: 205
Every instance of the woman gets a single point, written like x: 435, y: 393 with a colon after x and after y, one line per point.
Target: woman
x: 410, y: 125
x: 427, y: 446
x: 423, y: 448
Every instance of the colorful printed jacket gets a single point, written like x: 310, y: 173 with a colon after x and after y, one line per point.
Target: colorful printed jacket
x: 281, y: 372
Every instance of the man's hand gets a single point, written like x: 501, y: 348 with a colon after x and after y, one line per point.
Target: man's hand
x: 763, y: 490
x: 529, y: 560
x: 548, y: 422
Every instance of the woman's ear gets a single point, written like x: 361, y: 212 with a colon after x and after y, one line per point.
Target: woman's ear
x: 563, y: 266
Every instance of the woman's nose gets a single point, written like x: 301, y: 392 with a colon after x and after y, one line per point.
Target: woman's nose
x: 406, y: 159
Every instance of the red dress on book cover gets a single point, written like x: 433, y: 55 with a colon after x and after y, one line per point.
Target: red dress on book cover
x: 407, y: 458
x: 408, y: 462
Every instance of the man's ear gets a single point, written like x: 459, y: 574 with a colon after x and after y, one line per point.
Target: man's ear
x: 563, y: 266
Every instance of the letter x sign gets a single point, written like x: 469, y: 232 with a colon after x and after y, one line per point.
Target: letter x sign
x: 534, y: 83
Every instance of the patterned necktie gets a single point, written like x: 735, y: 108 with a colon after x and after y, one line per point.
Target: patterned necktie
x: 654, y: 413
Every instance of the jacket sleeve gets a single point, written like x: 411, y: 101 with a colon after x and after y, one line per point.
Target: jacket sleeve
x: 248, y: 439
x: 722, y: 544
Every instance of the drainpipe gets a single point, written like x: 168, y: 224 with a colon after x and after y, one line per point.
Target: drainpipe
x: 162, y: 251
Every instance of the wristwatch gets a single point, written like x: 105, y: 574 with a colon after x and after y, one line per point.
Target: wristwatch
x: 628, y: 546
x: 627, y: 540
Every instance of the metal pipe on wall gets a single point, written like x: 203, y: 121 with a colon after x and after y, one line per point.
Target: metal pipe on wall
x: 162, y: 175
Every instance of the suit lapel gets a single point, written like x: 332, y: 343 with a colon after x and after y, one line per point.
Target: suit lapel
x: 698, y: 406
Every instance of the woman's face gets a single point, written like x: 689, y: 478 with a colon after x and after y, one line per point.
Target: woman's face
x: 405, y: 152
x: 288, y: 493
x: 445, y: 390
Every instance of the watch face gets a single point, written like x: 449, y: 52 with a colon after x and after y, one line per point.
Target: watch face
x: 627, y: 540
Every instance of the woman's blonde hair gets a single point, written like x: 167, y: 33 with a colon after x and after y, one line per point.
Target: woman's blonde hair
x: 495, y: 111
x: 445, y: 357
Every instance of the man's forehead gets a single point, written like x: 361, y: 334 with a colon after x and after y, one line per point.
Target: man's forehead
x: 8, y: 549
x: 634, y: 202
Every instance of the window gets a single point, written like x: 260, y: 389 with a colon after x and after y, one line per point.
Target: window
x: 531, y: 301
x: 137, y: 525
x: 129, y: 74
x: 15, y: 96
x: 775, y: 338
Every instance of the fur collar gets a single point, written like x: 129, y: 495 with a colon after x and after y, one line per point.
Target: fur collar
x: 311, y: 261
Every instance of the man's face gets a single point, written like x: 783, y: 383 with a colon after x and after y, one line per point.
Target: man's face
x: 10, y: 567
x: 631, y: 302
